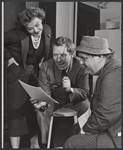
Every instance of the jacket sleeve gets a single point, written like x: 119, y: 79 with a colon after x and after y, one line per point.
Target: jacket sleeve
x: 44, y: 79
x: 81, y: 89
x: 47, y: 42
x: 10, y: 38
x: 108, y: 104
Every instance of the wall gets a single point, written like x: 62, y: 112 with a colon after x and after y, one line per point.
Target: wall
x: 33, y: 4
x: 112, y: 12
x: 65, y: 16
x: 64, y: 19
x: 11, y: 9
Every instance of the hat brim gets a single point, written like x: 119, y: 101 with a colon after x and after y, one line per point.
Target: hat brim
x: 93, y: 51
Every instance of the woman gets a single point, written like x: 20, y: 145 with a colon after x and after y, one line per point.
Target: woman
x: 25, y: 48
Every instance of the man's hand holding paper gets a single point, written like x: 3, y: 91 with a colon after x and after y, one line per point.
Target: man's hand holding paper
x: 37, y: 94
x: 39, y: 105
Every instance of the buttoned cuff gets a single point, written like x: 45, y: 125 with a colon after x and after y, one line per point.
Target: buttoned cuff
x: 71, y: 94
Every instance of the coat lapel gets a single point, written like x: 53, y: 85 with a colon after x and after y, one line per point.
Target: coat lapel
x: 75, y: 67
x: 57, y: 72
x: 24, y: 38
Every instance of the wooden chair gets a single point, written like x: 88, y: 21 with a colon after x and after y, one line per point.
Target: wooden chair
x: 63, y: 112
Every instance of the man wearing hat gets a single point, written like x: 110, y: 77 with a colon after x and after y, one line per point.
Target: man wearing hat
x: 103, y: 127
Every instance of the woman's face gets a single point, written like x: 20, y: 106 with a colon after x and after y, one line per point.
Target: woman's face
x: 35, y: 27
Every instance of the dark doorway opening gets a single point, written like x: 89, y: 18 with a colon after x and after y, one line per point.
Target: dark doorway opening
x: 87, y: 22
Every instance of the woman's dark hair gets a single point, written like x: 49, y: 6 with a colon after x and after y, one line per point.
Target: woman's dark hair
x: 60, y: 41
x: 26, y: 16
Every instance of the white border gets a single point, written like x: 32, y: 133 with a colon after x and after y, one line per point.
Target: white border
x: 2, y: 77
x: 75, y: 20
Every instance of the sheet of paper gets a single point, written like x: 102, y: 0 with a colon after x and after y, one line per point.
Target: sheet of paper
x: 83, y: 118
x: 37, y: 93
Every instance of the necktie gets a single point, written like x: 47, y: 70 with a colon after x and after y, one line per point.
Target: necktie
x: 64, y: 73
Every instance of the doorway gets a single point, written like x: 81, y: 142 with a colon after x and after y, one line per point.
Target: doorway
x: 88, y: 20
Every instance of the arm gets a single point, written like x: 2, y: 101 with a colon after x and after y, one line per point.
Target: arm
x: 10, y: 38
x: 44, y: 79
x: 108, y: 104
x: 81, y: 88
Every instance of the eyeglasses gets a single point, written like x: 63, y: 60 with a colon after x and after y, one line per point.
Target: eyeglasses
x: 63, y: 55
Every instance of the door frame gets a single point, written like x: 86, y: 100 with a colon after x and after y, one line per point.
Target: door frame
x: 97, y: 12
x: 87, y: 7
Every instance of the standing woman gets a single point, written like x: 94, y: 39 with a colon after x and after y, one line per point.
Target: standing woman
x: 25, y: 47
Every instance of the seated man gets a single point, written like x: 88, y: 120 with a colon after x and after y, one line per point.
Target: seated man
x: 64, y: 79
x: 103, y: 127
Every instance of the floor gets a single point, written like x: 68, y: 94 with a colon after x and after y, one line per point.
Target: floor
x: 62, y: 128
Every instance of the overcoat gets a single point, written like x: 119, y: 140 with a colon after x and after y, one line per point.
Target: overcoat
x: 105, y: 119
x: 17, y: 44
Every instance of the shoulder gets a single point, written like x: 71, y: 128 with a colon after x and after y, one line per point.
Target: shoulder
x: 47, y: 30
x: 22, y: 34
x: 112, y: 66
x: 11, y: 37
x: 46, y: 27
x: 48, y: 64
x: 15, y: 35
x: 117, y: 63
x: 77, y: 64
x: 111, y: 74
x: 11, y: 33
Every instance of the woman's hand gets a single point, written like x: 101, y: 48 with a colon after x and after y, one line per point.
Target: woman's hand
x: 11, y: 61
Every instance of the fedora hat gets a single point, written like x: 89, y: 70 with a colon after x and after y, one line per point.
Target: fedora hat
x: 94, y: 45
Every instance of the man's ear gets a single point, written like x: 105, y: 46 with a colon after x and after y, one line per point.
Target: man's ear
x: 88, y: 56
x: 72, y: 53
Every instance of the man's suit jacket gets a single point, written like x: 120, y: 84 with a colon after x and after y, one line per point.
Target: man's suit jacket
x: 105, y: 119
x: 49, y: 73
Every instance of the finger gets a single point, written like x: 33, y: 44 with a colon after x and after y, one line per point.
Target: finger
x: 64, y: 86
x: 37, y: 106
x: 16, y: 63
x: 48, y: 105
x: 43, y: 104
x: 65, y: 78
x: 66, y: 82
x: 34, y: 101
x: 36, y: 109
